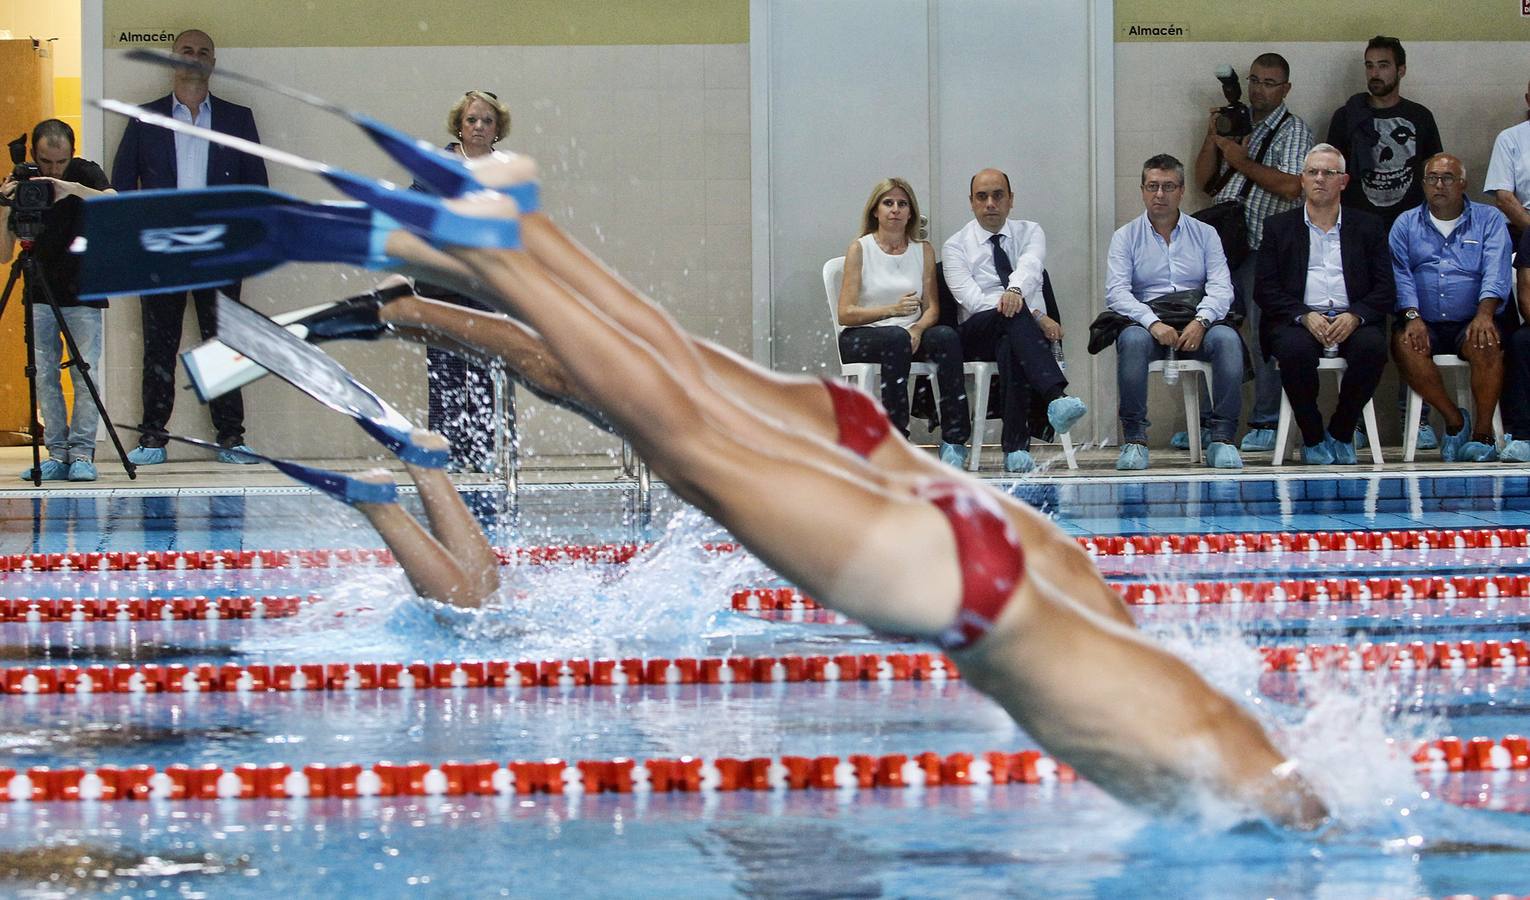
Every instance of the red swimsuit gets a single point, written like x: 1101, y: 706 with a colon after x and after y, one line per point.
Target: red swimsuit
x: 987, y: 549
x: 989, y: 554
x: 862, y: 421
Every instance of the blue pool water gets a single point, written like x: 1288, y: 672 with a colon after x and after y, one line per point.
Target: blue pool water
x: 1060, y: 839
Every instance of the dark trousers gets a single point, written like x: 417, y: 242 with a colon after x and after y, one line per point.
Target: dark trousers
x: 1025, y: 362
x: 462, y: 408
x: 1515, y: 401
x: 892, y: 348
x: 1298, y: 353
x: 162, y: 317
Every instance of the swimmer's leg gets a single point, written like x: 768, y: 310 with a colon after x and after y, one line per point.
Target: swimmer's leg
x: 432, y: 570
x: 454, y: 526
x: 875, y: 554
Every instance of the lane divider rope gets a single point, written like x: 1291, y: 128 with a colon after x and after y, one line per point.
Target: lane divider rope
x: 621, y: 775
x: 1119, y: 545
x: 151, y: 678
x: 1308, y: 590
x: 149, y: 609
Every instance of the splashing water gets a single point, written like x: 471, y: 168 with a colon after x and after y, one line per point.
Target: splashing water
x: 672, y: 599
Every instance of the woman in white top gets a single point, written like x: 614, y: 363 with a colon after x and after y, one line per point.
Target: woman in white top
x: 888, y: 309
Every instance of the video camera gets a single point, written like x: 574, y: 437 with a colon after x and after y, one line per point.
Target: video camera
x: 32, y: 198
x: 1234, y: 119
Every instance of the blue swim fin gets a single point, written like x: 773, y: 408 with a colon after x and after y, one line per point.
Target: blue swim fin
x: 143, y: 242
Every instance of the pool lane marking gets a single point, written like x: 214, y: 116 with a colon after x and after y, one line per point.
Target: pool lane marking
x: 621, y: 775
x: 126, y: 678
x: 1099, y: 545
x: 151, y: 678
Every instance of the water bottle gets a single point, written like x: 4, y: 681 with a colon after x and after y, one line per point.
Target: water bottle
x: 1057, y: 354
x: 1171, y: 367
x: 1330, y: 350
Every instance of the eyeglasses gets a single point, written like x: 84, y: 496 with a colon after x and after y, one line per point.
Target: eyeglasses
x: 1264, y: 82
x: 1165, y: 187
x: 1322, y: 173
x: 1442, y: 180
x: 489, y: 94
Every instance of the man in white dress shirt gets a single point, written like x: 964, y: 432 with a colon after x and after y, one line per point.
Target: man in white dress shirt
x: 993, y: 267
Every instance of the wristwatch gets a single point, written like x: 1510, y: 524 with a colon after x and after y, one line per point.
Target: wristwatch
x: 1205, y: 322
x: 1410, y: 314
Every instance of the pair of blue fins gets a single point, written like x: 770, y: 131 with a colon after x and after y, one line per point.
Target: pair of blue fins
x: 175, y: 240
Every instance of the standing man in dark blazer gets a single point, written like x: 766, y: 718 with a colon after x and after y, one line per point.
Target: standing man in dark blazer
x: 149, y: 158
x: 1324, y: 285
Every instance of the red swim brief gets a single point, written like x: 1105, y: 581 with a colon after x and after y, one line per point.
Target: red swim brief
x: 862, y: 421
x: 989, y: 554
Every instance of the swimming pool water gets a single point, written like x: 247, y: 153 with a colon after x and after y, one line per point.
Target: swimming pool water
x: 1061, y: 839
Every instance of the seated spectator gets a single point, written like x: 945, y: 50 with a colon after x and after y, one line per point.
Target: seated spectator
x: 994, y: 268
x: 1450, y: 258
x: 1167, y: 278
x: 1324, y: 284
x: 889, y: 305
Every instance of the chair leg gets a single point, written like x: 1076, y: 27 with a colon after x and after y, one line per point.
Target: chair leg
x: 1410, y: 425
x: 1068, y: 452
x: 1370, y: 427
x: 1498, y: 426
x: 979, y: 420
x: 1190, y: 389
x: 1282, y: 430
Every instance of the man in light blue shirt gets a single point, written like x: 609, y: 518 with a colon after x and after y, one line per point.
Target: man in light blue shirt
x: 1450, y: 259
x: 1165, y: 265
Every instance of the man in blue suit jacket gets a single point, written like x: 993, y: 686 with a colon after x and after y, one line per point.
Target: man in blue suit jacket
x: 149, y: 158
x: 1323, y: 281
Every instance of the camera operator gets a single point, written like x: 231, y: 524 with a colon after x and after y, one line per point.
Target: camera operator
x: 1263, y: 170
x: 71, y: 440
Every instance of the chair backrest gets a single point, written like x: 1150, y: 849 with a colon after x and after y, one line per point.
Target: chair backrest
x: 948, y: 300
x: 833, y: 277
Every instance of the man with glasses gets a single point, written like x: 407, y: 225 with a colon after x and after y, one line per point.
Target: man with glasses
x: 994, y: 267
x: 1262, y: 170
x: 1450, y: 258
x: 1167, y: 275
x: 1324, y: 287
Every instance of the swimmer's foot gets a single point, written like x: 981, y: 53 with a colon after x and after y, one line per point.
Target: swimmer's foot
x: 432, y: 447
x: 355, y: 318
x: 374, y: 487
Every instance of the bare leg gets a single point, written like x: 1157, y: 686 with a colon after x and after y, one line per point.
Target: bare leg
x: 434, y: 572
x: 1421, y: 374
x: 1487, y: 386
x: 453, y: 524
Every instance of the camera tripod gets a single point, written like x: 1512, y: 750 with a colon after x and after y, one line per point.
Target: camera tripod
x: 36, y: 284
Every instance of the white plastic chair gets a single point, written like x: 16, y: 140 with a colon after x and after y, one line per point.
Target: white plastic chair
x: 1283, y: 431
x: 866, y: 376
x: 1191, y: 390
x: 1444, y: 362
x: 982, y: 379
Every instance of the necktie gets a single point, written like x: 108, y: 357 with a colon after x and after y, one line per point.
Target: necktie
x: 1001, y: 263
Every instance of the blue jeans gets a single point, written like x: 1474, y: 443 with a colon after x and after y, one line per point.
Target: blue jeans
x: 1135, y: 348
x: 1266, y: 413
x: 68, y: 437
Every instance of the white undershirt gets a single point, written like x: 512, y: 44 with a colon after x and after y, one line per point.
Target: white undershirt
x: 1444, y: 226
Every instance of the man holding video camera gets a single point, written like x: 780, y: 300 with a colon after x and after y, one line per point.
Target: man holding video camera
x: 1261, y: 170
x: 51, y: 219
